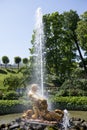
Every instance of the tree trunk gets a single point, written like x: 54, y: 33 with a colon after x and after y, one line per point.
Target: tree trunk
x: 82, y: 59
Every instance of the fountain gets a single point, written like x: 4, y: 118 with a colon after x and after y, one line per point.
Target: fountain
x: 39, y: 117
x: 38, y: 48
x: 66, y: 123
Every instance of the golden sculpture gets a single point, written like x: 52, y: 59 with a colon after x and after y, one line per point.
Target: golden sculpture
x: 40, y: 106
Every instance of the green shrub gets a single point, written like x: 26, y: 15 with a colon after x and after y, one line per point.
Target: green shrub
x: 70, y: 103
x: 71, y: 92
x: 12, y: 81
x: 13, y: 106
x: 75, y: 87
x: 11, y: 95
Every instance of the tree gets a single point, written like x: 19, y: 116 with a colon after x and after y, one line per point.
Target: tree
x: 5, y: 60
x: 25, y: 61
x: 61, y: 44
x: 81, y: 32
x: 60, y: 47
x: 17, y: 60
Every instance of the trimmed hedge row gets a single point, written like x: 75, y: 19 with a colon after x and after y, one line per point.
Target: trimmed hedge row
x: 13, y: 106
x: 70, y: 103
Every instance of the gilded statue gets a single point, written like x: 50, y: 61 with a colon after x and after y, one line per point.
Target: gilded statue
x: 40, y: 107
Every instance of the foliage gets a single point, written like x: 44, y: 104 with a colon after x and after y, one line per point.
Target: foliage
x: 1, y: 94
x: 70, y: 103
x: 13, y: 106
x: 11, y: 71
x: 27, y: 75
x: 25, y: 61
x: 78, y: 100
x: 59, y: 43
x: 71, y: 92
x: 82, y: 31
x: 3, y: 71
x: 60, y: 48
x: 81, y: 64
x: 5, y: 60
x: 17, y: 60
x: 12, y: 82
x: 75, y: 85
x: 11, y: 95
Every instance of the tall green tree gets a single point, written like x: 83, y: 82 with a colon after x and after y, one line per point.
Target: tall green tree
x: 60, y: 47
x: 5, y: 60
x: 61, y: 43
x: 17, y: 60
x: 25, y: 61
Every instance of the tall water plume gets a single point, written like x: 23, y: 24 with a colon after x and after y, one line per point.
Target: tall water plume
x: 38, y: 46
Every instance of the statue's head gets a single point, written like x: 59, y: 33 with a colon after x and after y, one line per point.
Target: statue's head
x: 34, y: 87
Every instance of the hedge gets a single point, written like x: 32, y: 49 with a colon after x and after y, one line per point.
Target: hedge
x: 70, y: 103
x: 13, y: 106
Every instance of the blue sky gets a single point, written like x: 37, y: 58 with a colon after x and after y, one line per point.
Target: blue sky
x: 17, y: 21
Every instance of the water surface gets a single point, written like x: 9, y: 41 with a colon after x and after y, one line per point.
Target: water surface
x: 11, y: 117
x: 79, y: 114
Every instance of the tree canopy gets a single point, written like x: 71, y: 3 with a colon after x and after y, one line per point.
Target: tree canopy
x: 5, y: 60
x: 17, y: 60
x: 64, y: 34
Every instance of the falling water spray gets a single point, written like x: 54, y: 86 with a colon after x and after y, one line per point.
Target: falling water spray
x: 38, y: 46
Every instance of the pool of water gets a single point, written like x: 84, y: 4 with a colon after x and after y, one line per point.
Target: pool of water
x: 79, y: 114
x: 11, y: 117
x: 8, y: 118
